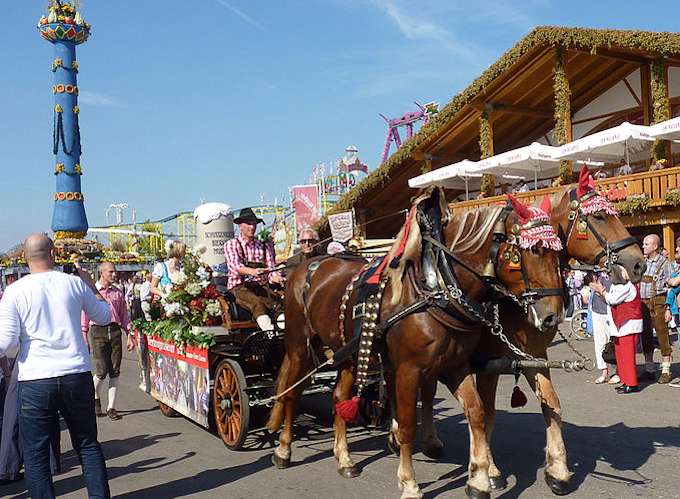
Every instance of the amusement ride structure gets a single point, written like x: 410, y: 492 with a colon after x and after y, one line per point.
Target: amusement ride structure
x: 424, y: 113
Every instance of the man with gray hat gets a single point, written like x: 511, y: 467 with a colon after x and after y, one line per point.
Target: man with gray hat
x: 249, y: 262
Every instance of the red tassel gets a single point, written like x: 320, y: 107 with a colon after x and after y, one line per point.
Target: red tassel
x: 518, y: 398
x: 348, y: 410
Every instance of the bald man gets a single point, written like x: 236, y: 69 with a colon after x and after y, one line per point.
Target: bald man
x: 106, y: 342
x: 654, y: 309
x: 40, y: 314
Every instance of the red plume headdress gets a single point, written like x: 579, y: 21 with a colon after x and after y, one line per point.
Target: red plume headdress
x: 535, y: 225
x: 594, y: 204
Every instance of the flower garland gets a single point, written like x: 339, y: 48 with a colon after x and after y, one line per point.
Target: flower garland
x: 562, y: 113
x: 635, y: 203
x: 488, y: 186
x: 661, y: 106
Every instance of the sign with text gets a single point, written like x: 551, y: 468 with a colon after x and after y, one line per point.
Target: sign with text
x: 306, y: 205
x: 342, y: 226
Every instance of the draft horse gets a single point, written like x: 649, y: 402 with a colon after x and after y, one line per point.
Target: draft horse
x: 592, y: 234
x: 438, y: 261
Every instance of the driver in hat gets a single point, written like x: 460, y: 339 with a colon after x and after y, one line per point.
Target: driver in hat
x: 249, y: 278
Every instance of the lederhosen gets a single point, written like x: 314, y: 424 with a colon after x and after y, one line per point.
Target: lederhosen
x: 255, y: 297
x: 653, y: 316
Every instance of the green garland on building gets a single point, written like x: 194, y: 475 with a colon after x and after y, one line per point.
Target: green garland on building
x: 562, y: 111
x: 488, y: 186
x: 661, y: 106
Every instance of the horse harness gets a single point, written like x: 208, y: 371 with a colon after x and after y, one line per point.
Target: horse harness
x: 580, y: 223
x: 439, y: 292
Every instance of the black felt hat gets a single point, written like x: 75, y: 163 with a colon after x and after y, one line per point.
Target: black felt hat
x: 248, y: 216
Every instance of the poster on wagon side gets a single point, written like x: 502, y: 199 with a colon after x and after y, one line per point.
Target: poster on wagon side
x: 179, y: 378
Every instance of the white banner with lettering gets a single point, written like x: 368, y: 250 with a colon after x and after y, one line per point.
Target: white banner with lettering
x: 342, y: 226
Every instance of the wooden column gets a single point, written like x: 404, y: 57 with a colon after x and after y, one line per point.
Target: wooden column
x: 669, y: 240
x: 488, y: 187
x: 563, y: 132
x: 646, y: 92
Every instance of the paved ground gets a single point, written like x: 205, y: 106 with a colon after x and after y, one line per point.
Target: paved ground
x: 619, y: 447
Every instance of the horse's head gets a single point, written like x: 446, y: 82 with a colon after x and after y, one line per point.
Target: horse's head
x: 591, y: 231
x: 528, y: 264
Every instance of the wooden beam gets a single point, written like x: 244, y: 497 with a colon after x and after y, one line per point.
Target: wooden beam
x: 517, y: 109
x: 646, y: 93
x: 632, y: 92
x: 613, y: 54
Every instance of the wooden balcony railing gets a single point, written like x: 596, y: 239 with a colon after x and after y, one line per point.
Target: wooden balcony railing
x: 653, y: 183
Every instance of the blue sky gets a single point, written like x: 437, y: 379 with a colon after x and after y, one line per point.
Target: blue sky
x: 226, y: 100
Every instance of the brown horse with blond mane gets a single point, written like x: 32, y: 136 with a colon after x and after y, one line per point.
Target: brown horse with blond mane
x: 592, y: 234
x: 439, y: 261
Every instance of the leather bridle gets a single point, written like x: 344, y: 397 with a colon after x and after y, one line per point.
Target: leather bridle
x: 611, y: 251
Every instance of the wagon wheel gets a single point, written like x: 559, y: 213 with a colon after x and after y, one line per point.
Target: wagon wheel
x: 230, y: 404
x: 166, y: 410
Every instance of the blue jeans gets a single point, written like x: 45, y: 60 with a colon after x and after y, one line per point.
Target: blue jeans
x: 41, y: 401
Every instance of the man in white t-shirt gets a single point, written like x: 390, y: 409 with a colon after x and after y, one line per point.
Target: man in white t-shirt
x: 40, y: 314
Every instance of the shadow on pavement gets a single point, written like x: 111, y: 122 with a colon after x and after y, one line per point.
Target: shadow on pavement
x: 518, y: 451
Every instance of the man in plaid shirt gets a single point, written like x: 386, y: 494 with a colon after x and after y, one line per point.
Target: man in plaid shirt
x: 655, y: 312
x: 249, y: 261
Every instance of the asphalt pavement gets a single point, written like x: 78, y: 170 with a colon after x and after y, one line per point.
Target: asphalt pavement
x: 619, y: 446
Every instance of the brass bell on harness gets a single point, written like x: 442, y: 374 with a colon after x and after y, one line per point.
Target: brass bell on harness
x: 499, y: 228
x: 489, y: 270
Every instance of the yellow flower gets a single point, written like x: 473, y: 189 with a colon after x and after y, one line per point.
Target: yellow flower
x: 58, y: 109
x: 76, y: 110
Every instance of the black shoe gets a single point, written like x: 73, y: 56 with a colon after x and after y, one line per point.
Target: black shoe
x: 113, y: 415
x: 647, y: 376
x: 626, y: 389
x: 8, y: 481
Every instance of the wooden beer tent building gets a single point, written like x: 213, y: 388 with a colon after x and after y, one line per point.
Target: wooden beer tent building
x: 555, y: 85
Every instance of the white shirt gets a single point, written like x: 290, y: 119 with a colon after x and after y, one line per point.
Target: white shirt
x: 41, y: 314
x: 145, y: 291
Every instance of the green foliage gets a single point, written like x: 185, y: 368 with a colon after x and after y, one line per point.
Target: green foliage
x: 635, y: 203
x: 661, y: 106
x: 178, y: 331
x: 151, y: 245
x: 672, y: 197
x: 488, y: 186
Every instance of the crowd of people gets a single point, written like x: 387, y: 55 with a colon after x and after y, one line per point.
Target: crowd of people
x: 61, y: 337
x: 631, y: 318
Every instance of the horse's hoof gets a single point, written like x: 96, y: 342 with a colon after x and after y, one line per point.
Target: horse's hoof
x: 280, y: 462
x: 349, y: 472
x: 558, y: 487
x: 498, y: 482
x: 434, y: 452
x: 474, y: 493
x: 392, y: 445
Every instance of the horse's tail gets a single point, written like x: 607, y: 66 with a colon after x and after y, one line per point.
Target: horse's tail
x: 276, y: 415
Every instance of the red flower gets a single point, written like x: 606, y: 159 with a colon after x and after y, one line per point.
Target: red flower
x: 197, y: 304
x: 211, y: 292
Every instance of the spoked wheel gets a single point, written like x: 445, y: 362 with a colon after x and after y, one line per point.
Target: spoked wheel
x: 230, y: 404
x: 579, y: 323
x: 166, y: 410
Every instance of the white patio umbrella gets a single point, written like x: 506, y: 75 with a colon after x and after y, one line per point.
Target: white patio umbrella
x: 666, y: 130
x: 610, y: 145
x: 454, y: 176
x: 522, y: 161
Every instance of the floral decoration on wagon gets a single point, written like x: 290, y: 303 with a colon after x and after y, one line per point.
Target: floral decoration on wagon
x: 190, y: 304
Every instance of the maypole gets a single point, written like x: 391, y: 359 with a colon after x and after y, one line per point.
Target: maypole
x: 65, y: 28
